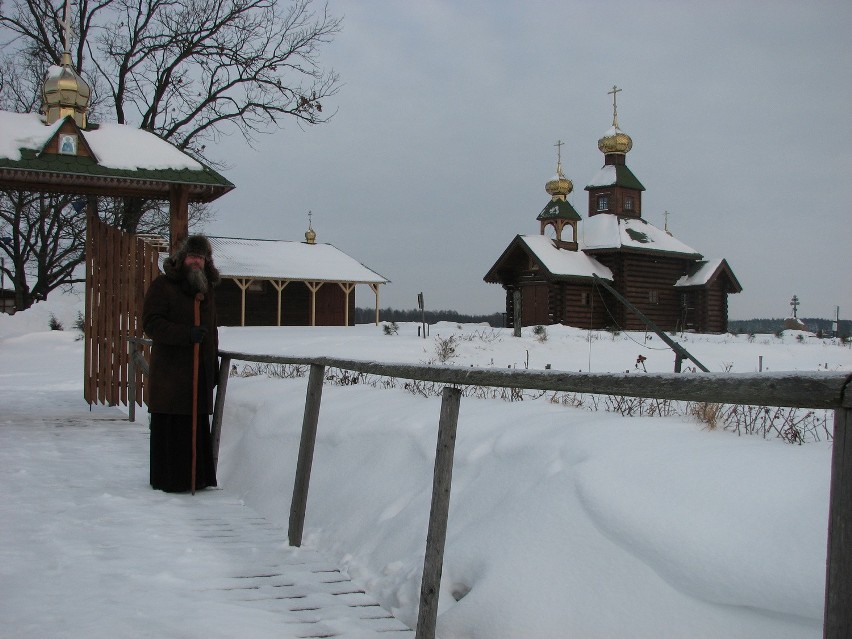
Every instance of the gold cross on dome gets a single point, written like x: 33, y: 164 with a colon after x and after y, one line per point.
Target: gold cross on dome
x: 615, y: 91
x: 66, y: 26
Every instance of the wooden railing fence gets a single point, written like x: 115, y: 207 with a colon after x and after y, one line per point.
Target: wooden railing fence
x: 793, y: 389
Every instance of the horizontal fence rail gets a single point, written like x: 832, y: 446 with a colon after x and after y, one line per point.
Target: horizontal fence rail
x: 788, y: 389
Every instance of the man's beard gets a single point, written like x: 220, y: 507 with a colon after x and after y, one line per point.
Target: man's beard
x: 197, y: 279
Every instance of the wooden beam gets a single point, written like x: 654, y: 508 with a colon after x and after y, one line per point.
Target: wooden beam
x: 375, y: 288
x: 299, y: 503
x: 436, y: 536
x: 347, y: 289
x: 313, y: 287
x: 178, y: 216
x: 219, y: 407
x: 792, y: 388
x: 837, y: 623
x: 279, y: 286
x: 243, y: 283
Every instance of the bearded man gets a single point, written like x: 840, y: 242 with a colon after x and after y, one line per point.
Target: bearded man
x: 168, y: 318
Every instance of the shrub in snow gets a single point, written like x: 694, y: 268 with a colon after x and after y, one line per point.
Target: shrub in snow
x: 445, y: 348
x: 391, y: 329
x: 55, y: 324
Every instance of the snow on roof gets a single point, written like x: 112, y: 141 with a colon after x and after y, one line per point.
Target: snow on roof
x: 23, y: 131
x: 605, y: 231
x: 111, y: 142
x: 701, y: 276
x: 281, y: 259
x: 116, y: 146
x: 562, y: 261
x: 605, y: 177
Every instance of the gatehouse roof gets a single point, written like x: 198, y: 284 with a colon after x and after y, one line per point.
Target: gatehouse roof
x: 110, y: 159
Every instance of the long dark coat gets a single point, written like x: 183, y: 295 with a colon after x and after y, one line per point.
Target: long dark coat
x: 167, y: 317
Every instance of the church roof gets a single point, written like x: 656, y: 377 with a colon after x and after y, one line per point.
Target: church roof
x: 559, y: 209
x: 288, y: 260
x: 706, y: 271
x: 117, y: 157
x: 559, y: 263
x: 606, y: 232
x: 615, y: 175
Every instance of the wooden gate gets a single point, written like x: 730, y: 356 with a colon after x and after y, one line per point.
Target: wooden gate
x: 119, y: 268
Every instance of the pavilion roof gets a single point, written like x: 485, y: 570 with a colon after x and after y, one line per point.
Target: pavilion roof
x: 112, y: 159
x: 288, y: 260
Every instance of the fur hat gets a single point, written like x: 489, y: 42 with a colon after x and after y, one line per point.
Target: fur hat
x: 196, y: 245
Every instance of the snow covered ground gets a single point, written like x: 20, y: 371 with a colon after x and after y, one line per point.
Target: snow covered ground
x: 564, y: 522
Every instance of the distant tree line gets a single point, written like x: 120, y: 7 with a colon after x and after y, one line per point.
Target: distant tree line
x: 773, y: 325
x: 497, y: 320
x: 367, y: 315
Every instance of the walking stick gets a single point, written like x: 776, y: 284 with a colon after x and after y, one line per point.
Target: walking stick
x: 195, y: 356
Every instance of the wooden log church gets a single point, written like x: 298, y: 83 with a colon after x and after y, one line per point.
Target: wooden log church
x: 552, y: 275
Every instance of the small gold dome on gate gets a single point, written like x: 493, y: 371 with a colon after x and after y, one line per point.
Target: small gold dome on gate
x: 65, y: 93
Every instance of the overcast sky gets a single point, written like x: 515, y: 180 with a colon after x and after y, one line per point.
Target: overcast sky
x: 449, y: 111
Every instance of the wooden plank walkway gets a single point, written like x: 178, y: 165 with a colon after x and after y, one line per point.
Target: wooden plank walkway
x: 113, y: 556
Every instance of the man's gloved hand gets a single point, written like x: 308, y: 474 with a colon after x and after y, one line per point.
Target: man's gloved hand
x: 197, y: 334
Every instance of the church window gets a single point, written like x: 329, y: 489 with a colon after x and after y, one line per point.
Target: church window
x: 628, y: 203
x: 584, y: 299
x: 653, y: 297
x: 603, y: 203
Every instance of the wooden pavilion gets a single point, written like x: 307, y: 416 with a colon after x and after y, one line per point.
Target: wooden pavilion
x: 552, y: 275
x: 283, y: 283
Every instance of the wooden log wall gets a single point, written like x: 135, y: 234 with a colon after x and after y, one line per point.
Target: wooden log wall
x: 119, y: 268
x: 637, y: 274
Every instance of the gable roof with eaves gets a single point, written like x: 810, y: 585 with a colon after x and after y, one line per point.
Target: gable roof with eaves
x: 113, y: 158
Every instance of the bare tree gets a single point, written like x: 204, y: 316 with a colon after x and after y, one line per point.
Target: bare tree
x: 43, y: 251
x: 188, y: 70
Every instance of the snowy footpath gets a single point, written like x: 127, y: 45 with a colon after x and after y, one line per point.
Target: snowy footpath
x: 88, y: 549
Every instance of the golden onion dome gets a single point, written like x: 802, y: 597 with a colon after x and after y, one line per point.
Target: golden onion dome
x: 615, y: 141
x: 65, y: 93
x: 310, y: 236
x: 558, y: 187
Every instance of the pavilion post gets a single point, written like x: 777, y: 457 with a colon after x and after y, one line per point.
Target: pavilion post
x: 347, y: 287
x: 375, y: 288
x: 178, y: 216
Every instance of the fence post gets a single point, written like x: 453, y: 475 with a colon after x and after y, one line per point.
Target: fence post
x: 427, y: 616
x: 838, y: 571
x: 131, y: 381
x: 306, y: 455
x: 219, y: 407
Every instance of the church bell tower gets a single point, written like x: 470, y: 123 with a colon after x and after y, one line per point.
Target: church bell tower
x: 558, y: 219
x: 615, y: 190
